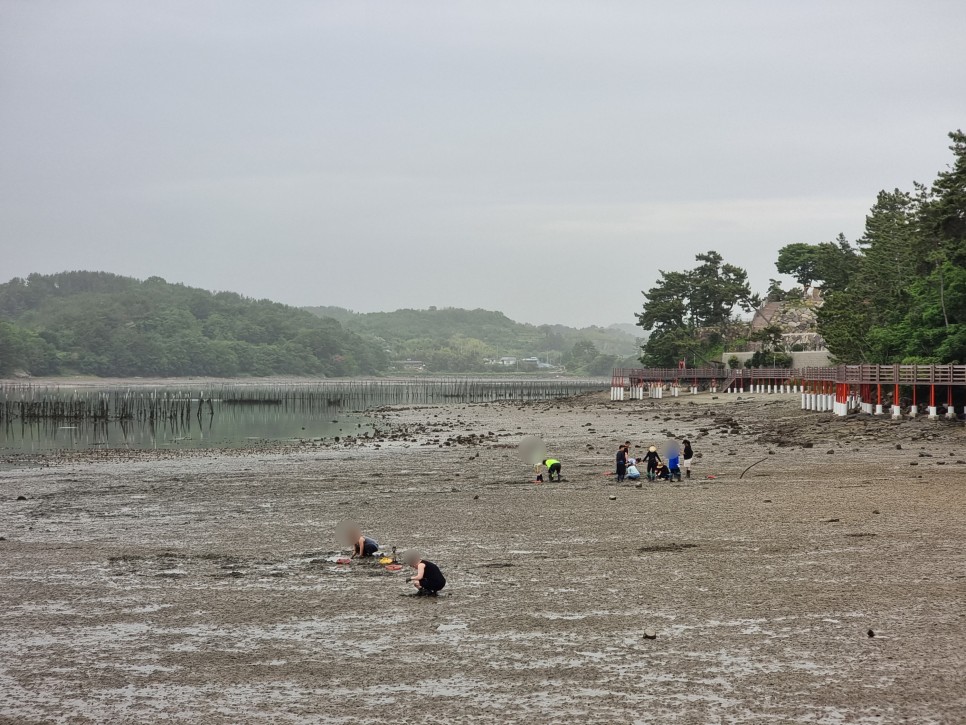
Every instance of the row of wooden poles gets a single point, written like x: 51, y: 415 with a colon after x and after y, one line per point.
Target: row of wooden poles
x: 143, y: 403
x: 52, y: 403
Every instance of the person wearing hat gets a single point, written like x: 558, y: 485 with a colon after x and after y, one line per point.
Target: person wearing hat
x: 429, y: 580
x: 652, y: 458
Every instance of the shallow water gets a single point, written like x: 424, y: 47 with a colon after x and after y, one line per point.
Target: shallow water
x: 239, y: 415
x: 227, y: 426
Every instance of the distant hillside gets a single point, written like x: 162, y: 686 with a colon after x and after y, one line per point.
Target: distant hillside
x: 458, y: 340
x: 103, y: 324
x: 628, y: 328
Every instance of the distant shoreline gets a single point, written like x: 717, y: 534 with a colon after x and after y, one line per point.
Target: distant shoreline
x: 93, y: 381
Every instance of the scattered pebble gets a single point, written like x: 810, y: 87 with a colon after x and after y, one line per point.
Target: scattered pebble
x: 613, y: 498
x: 21, y: 498
x: 871, y: 633
x: 651, y: 634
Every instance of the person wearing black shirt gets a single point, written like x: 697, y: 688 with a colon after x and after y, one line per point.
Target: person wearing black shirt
x: 653, y: 459
x: 621, y: 463
x: 429, y: 580
x: 687, y: 456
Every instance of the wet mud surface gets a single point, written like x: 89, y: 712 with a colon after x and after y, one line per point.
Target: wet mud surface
x: 826, y: 585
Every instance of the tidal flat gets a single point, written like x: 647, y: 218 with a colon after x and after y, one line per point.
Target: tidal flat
x: 825, y: 584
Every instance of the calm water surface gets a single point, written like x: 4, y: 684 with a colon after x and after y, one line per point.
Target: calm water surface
x: 240, y: 414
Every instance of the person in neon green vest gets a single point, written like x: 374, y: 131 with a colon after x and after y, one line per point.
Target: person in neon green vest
x: 553, y: 466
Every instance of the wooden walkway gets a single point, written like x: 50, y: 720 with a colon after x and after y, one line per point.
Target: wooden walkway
x: 840, y: 389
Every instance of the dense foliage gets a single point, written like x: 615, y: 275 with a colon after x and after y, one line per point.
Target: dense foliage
x: 900, y: 294
x: 103, y: 324
x: 459, y: 340
x: 832, y: 262
x: 692, y: 314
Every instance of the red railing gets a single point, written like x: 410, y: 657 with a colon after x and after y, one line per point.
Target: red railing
x: 850, y: 374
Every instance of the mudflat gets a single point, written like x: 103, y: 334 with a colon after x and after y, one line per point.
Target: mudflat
x: 813, y: 570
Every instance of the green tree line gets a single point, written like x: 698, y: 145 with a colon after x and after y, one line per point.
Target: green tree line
x: 103, y: 324
x: 898, y: 295
x: 451, y: 339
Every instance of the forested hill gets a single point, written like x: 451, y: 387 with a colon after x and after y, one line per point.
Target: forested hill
x: 460, y: 340
x: 97, y: 323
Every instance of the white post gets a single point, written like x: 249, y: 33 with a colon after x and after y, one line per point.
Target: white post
x: 913, y: 411
x: 878, y: 409
x: 933, y: 412
x: 896, y: 412
x: 951, y: 412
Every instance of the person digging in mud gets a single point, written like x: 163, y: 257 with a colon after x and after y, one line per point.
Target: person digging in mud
x: 362, y: 546
x: 662, y: 472
x: 687, y: 456
x: 553, y: 466
x: 652, y: 458
x: 429, y: 580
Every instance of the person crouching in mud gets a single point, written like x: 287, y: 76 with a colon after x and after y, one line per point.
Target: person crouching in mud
x: 362, y: 546
x: 429, y: 580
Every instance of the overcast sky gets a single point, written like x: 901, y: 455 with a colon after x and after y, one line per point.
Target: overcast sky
x: 541, y: 158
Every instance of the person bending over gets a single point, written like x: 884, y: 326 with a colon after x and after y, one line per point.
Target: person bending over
x: 652, y: 458
x: 674, y: 466
x: 553, y: 466
x: 362, y: 546
x: 429, y: 580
